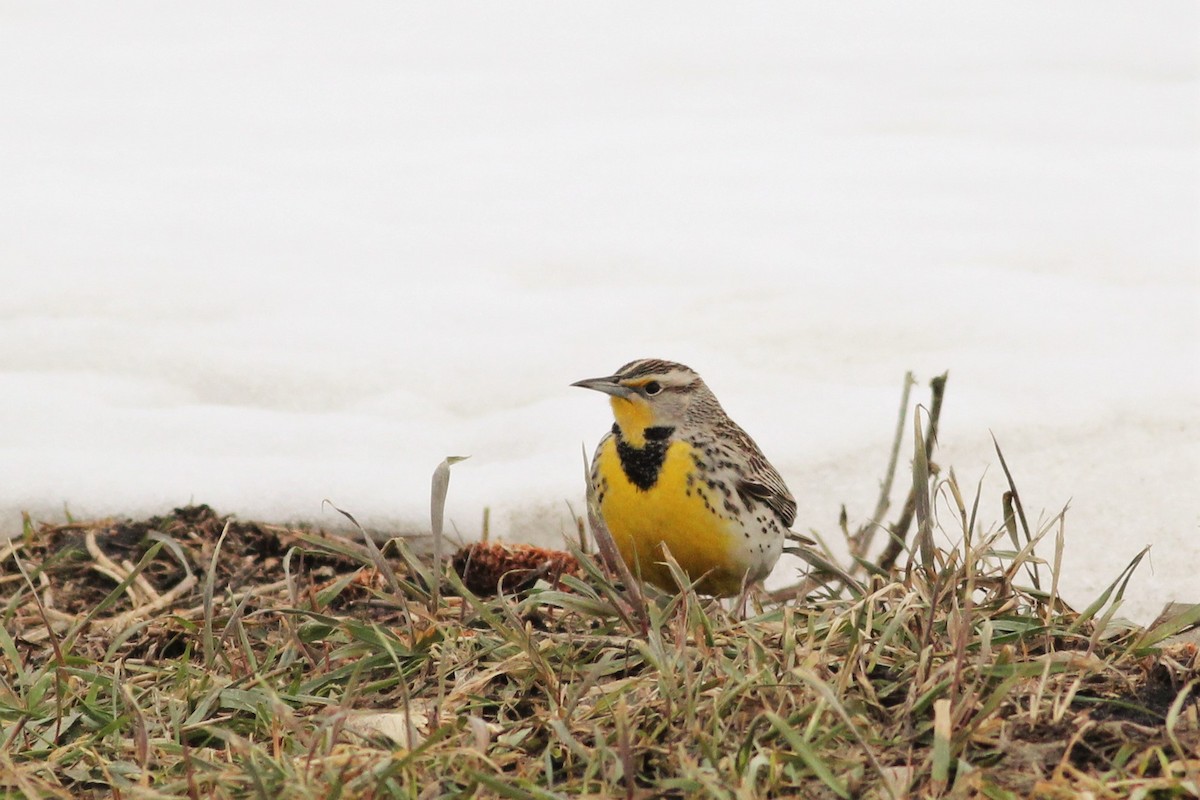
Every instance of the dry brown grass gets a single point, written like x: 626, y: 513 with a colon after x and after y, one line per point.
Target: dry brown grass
x: 191, y: 655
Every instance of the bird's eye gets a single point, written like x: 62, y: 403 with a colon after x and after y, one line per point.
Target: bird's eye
x: 652, y: 388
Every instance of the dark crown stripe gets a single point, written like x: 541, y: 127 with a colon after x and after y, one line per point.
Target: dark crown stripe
x: 649, y: 366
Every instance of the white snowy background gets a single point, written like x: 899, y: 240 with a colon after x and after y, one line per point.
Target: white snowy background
x: 259, y: 255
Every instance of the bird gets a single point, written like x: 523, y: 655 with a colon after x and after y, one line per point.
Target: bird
x: 676, y: 472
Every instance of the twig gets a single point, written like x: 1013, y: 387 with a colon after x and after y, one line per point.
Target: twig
x: 864, y: 537
x: 160, y: 602
x: 110, y: 569
x: 920, y: 489
x: 899, y: 530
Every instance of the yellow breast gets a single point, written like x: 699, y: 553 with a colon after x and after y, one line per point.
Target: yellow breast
x: 688, y: 518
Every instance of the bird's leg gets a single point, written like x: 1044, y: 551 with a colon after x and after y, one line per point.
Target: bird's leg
x: 739, y: 606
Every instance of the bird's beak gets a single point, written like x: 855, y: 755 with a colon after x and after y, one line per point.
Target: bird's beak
x: 607, y: 385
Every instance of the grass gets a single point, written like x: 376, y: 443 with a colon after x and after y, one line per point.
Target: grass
x: 192, y: 655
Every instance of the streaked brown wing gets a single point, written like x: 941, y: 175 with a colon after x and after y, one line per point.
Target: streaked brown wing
x: 779, y: 501
x: 761, y: 481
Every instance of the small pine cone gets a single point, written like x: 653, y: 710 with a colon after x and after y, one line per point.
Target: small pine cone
x: 483, y: 566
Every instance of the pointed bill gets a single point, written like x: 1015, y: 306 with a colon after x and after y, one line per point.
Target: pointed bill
x: 607, y: 385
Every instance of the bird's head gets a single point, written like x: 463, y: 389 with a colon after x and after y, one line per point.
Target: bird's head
x: 650, y: 393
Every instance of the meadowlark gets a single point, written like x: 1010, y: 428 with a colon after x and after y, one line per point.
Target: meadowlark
x: 676, y: 471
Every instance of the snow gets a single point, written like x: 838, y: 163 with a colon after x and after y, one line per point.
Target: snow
x: 263, y: 255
